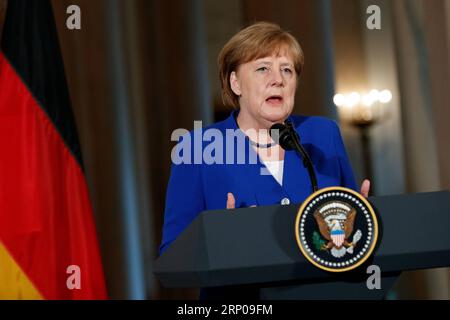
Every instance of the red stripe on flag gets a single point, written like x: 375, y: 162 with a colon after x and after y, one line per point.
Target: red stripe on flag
x: 46, y: 219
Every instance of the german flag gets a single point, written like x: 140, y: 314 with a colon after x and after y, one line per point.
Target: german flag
x: 48, y: 244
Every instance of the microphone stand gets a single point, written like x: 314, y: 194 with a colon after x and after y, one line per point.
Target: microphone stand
x: 303, y: 154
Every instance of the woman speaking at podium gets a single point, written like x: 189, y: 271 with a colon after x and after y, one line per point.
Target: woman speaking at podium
x: 259, y: 70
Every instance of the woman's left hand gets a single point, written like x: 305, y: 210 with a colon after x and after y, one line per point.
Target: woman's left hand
x: 365, y: 187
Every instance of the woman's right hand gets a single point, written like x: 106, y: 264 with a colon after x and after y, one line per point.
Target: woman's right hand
x: 231, y: 202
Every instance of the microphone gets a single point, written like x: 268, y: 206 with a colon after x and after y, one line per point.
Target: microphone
x: 286, y: 136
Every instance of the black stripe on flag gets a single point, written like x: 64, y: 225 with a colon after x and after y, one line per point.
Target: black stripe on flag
x: 30, y: 43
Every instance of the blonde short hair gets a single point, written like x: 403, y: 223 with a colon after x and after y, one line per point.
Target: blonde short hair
x: 259, y: 40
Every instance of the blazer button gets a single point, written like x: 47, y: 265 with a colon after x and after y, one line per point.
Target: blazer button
x: 285, y: 201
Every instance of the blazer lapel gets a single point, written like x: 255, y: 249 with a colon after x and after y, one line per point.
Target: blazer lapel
x: 268, y: 191
x: 296, y: 182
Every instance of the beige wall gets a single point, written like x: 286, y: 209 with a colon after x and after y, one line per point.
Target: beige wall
x: 422, y: 56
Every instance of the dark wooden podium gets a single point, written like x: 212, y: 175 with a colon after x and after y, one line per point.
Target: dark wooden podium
x: 257, y: 246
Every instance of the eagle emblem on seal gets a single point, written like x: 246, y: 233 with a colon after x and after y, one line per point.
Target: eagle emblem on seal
x: 335, y: 221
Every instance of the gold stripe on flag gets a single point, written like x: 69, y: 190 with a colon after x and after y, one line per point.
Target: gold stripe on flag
x: 14, y: 283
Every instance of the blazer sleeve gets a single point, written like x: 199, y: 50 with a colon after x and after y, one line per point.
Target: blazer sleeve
x: 184, y: 201
x: 346, y: 172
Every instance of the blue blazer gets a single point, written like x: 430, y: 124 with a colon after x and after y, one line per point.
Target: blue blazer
x: 194, y: 188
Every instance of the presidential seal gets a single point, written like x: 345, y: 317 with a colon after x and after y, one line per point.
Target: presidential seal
x: 336, y: 229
